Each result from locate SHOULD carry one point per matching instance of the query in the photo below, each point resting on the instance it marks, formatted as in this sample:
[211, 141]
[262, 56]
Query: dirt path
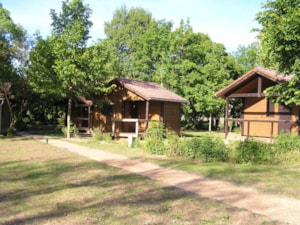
[283, 209]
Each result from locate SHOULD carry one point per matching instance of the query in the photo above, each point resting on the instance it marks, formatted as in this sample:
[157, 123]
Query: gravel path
[275, 207]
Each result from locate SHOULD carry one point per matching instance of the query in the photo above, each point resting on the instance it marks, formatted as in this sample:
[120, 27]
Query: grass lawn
[41, 184]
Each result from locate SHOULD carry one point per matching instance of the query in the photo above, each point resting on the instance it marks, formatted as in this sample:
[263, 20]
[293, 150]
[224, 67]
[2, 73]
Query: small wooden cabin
[259, 116]
[131, 105]
[4, 110]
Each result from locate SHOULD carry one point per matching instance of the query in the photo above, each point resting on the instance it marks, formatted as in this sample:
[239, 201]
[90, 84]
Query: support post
[226, 117]
[272, 124]
[147, 114]
[137, 128]
[248, 129]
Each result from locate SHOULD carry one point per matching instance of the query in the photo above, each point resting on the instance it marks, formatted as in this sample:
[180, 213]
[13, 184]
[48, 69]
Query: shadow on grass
[35, 180]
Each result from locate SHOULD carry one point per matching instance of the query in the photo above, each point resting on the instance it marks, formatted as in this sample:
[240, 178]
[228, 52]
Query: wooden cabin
[128, 109]
[259, 116]
[4, 110]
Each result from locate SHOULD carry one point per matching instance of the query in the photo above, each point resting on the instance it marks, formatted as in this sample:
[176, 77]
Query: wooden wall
[256, 109]
[168, 112]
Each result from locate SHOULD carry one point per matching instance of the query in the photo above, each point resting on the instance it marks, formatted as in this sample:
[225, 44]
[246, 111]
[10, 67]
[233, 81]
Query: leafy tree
[247, 57]
[14, 46]
[62, 65]
[280, 38]
[125, 37]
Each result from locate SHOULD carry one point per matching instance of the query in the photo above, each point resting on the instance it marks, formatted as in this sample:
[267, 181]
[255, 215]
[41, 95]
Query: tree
[125, 33]
[247, 57]
[280, 38]
[62, 64]
[13, 56]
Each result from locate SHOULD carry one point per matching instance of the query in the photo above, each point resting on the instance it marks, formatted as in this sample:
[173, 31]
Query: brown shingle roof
[267, 73]
[149, 91]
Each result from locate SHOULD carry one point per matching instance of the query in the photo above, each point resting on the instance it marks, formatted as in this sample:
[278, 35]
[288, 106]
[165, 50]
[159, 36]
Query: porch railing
[248, 122]
[120, 133]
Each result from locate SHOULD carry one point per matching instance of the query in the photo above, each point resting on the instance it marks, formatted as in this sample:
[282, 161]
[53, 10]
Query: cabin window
[270, 108]
[82, 111]
[106, 109]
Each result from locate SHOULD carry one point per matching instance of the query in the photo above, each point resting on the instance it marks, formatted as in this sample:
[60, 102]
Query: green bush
[173, 145]
[73, 129]
[253, 151]
[98, 135]
[286, 149]
[213, 149]
[189, 148]
[207, 148]
[154, 138]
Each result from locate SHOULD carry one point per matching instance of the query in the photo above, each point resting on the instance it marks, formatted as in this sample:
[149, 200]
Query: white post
[137, 128]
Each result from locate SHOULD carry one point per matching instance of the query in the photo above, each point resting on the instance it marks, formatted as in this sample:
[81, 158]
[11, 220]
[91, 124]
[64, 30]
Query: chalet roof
[267, 73]
[149, 91]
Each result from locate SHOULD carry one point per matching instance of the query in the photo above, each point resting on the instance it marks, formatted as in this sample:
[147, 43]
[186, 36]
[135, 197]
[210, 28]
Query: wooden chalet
[131, 105]
[4, 110]
[259, 116]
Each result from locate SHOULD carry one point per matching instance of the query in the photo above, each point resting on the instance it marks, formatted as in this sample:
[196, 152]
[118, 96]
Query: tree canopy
[62, 64]
[280, 38]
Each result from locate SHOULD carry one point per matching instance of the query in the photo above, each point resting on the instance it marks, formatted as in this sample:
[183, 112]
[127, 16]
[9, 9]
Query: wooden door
[284, 114]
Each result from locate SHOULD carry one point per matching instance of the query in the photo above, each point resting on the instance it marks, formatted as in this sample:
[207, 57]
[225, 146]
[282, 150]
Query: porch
[128, 127]
[247, 124]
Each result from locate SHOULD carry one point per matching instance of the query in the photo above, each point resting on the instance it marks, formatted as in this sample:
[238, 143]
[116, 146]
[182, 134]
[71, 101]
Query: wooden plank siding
[172, 121]
[255, 109]
[167, 112]
[259, 116]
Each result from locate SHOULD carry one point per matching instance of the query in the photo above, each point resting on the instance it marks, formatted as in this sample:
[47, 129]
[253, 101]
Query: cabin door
[284, 114]
[133, 109]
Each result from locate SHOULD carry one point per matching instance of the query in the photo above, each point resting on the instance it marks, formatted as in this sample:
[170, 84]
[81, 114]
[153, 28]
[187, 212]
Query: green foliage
[280, 38]
[189, 148]
[73, 129]
[98, 135]
[253, 151]
[173, 145]
[247, 57]
[14, 47]
[286, 149]
[206, 148]
[11, 132]
[154, 138]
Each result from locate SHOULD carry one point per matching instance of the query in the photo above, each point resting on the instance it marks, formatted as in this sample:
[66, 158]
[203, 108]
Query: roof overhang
[257, 71]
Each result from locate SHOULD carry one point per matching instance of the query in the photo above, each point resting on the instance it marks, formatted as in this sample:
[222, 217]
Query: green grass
[41, 184]
[282, 180]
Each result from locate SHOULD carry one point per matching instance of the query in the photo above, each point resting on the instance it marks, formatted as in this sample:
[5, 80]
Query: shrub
[154, 138]
[173, 145]
[189, 148]
[98, 135]
[252, 151]
[213, 149]
[207, 148]
[286, 149]
[73, 129]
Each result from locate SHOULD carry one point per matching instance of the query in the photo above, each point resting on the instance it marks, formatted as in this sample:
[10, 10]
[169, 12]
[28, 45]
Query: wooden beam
[245, 95]
[147, 114]
[259, 87]
[226, 117]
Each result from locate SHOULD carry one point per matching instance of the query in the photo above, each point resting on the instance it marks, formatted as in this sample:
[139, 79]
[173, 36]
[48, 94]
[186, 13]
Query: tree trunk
[210, 122]
[69, 118]
[11, 123]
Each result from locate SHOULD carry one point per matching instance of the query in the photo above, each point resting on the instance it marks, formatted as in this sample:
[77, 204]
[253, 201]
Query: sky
[225, 21]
